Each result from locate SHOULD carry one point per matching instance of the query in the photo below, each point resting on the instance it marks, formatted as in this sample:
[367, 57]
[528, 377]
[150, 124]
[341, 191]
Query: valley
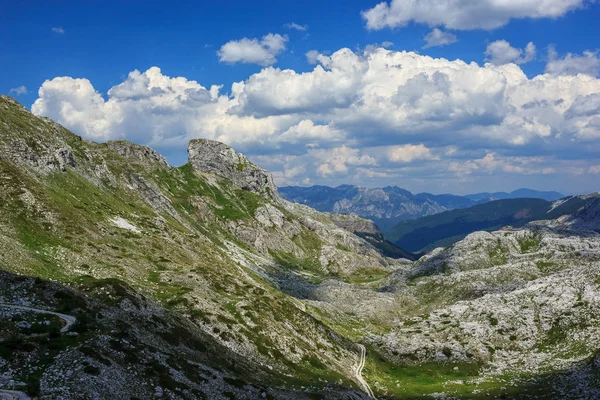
[124, 277]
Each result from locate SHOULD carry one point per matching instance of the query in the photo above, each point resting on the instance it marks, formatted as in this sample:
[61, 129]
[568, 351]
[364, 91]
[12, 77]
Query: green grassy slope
[58, 224]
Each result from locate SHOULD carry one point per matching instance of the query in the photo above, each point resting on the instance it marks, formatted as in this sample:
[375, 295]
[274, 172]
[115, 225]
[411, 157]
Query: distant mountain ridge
[390, 205]
[444, 229]
[517, 194]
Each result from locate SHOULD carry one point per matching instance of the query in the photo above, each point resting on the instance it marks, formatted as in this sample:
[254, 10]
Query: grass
[529, 244]
[288, 260]
[498, 254]
[456, 380]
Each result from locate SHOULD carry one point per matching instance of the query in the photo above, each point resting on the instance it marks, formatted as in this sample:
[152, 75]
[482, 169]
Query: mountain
[390, 205]
[521, 299]
[444, 229]
[517, 194]
[185, 282]
[124, 277]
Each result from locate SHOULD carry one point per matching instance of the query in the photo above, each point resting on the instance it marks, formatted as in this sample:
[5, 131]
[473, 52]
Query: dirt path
[359, 369]
[69, 320]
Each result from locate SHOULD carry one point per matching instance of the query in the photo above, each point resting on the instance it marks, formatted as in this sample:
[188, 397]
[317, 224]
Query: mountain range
[444, 229]
[123, 277]
[389, 205]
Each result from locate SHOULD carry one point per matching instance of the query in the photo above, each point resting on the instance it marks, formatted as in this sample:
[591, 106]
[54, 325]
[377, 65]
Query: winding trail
[69, 319]
[13, 395]
[359, 369]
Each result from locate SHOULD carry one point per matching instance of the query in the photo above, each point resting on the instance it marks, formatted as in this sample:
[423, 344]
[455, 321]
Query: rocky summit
[123, 277]
[212, 157]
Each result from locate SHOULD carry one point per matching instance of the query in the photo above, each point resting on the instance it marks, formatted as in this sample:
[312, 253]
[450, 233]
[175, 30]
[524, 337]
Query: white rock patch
[124, 224]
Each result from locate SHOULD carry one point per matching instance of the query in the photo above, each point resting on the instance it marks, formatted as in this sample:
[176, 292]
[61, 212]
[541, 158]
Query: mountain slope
[521, 302]
[210, 245]
[444, 229]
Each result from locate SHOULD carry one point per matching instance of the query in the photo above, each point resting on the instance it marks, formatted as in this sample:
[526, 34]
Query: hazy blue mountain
[391, 205]
[517, 194]
[447, 228]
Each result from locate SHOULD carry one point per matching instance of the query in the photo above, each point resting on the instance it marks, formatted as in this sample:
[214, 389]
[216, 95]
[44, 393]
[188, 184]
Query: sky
[442, 96]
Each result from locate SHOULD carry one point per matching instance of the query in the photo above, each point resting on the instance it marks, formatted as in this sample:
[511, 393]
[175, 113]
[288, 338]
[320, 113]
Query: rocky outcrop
[210, 156]
[354, 224]
[135, 152]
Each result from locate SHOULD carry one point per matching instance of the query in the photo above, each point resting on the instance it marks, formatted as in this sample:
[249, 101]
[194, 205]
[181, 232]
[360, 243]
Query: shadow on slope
[125, 346]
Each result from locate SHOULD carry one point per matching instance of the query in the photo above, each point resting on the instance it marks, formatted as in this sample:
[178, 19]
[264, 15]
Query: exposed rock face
[379, 204]
[355, 224]
[214, 157]
[135, 152]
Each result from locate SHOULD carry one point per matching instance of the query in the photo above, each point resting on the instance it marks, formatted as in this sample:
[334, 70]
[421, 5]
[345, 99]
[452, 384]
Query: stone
[212, 157]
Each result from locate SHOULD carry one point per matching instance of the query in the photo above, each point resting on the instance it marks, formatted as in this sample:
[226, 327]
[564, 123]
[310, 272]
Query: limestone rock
[135, 152]
[210, 156]
[354, 223]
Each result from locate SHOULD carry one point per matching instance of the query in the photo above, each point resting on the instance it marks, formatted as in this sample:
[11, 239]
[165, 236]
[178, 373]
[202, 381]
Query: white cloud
[349, 111]
[409, 153]
[464, 14]
[337, 160]
[492, 163]
[438, 37]
[314, 57]
[307, 132]
[59, 30]
[19, 90]
[253, 51]
[501, 52]
[372, 47]
[594, 169]
[298, 27]
[572, 64]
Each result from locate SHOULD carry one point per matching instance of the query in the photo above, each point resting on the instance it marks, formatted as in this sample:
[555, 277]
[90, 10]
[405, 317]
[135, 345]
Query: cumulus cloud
[594, 169]
[19, 90]
[253, 51]
[337, 160]
[409, 153]
[491, 162]
[437, 37]
[295, 26]
[464, 14]
[59, 30]
[572, 64]
[373, 113]
[501, 52]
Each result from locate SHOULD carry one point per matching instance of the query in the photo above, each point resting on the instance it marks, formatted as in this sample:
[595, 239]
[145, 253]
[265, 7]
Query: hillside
[124, 277]
[206, 250]
[442, 230]
[390, 205]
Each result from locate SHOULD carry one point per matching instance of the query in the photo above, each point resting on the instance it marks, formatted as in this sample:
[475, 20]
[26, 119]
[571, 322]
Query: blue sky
[389, 110]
